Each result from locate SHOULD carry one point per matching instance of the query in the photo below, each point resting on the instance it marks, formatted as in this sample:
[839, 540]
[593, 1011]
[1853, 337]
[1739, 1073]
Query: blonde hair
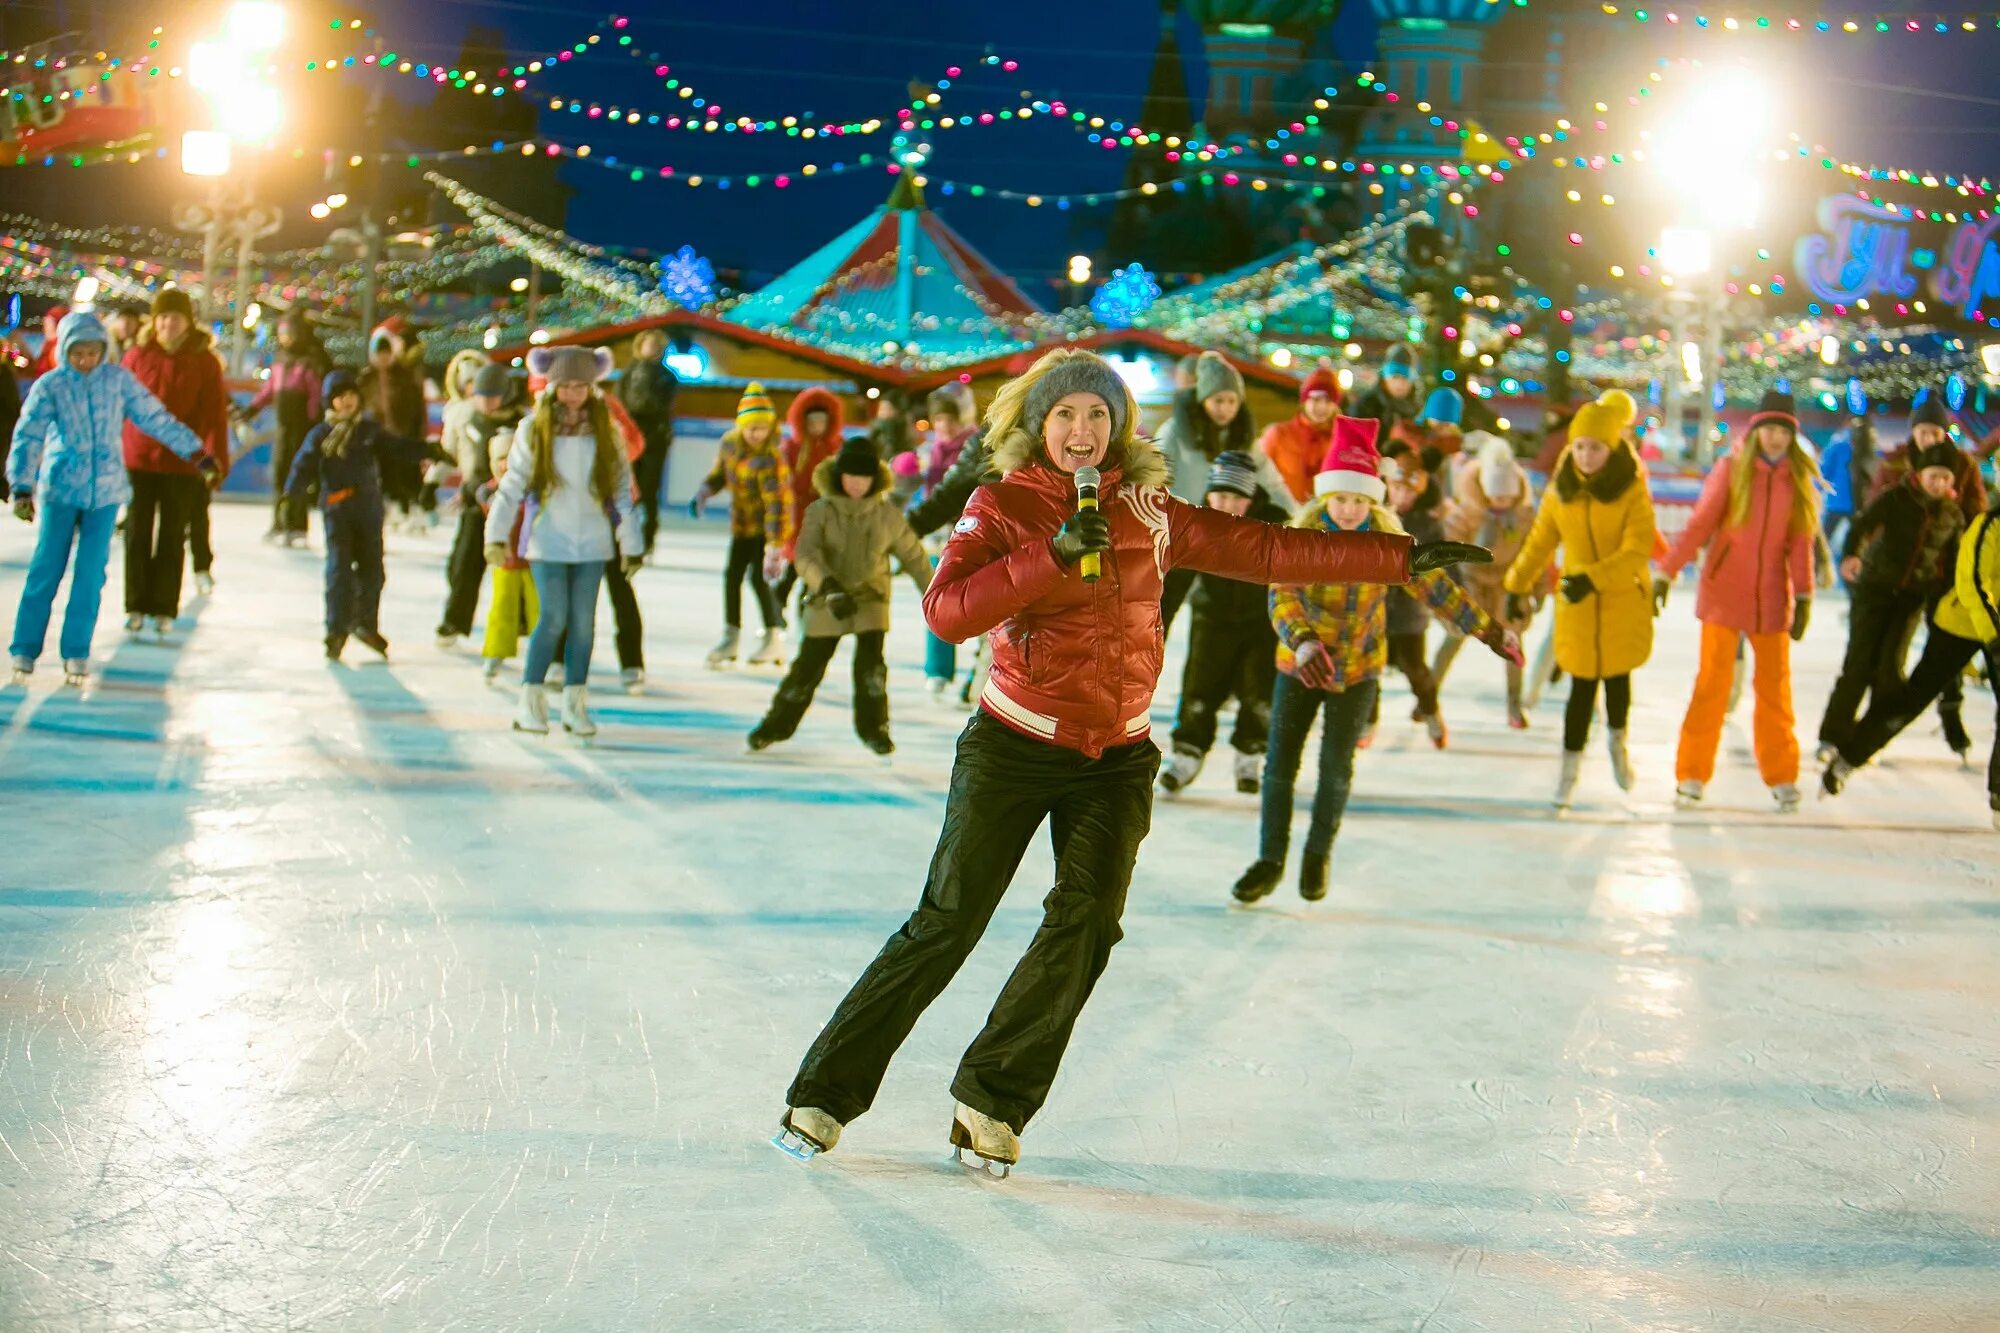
[1806, 484]
[604, 466]
[1007, 413]
[1380, 518]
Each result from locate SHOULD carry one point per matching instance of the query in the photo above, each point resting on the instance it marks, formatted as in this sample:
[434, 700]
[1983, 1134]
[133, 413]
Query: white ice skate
[1249, 773]
[533, 714]
[24, 667]
[991, 1141]
[1786, 794]
[1178, 770]
[1572, 767]
[204, 583]
[1688, 795]
[724, 653]
[1621, 760]
[490, 669]
[770, 649]
[634, 679]
[447, 639]
[76, 670]
[805, 1132]
[161, 624]
[135, 624]
[576, 718]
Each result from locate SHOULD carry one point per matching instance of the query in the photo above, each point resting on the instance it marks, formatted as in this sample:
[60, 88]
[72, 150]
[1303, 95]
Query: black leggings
[1583, 707]
[746, 556]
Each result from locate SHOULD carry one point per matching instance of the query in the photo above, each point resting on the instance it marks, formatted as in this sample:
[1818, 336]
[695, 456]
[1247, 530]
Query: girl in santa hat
[1333, 644]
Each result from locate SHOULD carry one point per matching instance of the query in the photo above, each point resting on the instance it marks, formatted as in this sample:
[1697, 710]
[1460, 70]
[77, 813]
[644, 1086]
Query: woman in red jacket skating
[1061, 736]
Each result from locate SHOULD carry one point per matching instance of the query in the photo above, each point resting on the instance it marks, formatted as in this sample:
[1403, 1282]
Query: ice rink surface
[328, 1002]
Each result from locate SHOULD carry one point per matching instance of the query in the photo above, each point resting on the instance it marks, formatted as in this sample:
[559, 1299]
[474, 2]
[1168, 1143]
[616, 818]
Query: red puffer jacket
[188, 382]
[1076, 663]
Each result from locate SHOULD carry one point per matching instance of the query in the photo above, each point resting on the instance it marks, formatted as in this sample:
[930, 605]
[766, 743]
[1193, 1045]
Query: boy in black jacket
[1897, 557]
[1232, 650]
[344, 454]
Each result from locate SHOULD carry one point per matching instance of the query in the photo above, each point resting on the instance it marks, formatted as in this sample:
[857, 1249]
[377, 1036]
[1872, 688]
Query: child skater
[1232, 649]
[1965, 621]
[1896, 560]
[569, 468]
[845, 542]
[1758, 516]
[1493, 506]
[750, 467]
[1332, 647]
[342, 458]
[1416, 499]
[514, 608]
[68, 459]
[1599, 512]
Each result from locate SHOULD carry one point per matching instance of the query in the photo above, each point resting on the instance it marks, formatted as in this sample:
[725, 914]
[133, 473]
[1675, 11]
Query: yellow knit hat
[755, 407]
[1607, 419]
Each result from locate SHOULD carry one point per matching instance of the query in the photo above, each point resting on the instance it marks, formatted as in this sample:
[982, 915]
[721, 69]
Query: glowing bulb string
[1877, 24]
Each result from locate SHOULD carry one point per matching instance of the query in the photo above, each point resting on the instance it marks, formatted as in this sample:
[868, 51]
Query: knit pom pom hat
[1444, 406]
[1605, 420]
[1322, 380]
[571, 365]
[1353, 464]
[755, 408]
[1500, 474]
[1234, 472]
[1213, 375]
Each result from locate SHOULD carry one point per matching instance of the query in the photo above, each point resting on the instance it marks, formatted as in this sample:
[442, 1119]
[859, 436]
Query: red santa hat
[1353, 464]
[1322, 380]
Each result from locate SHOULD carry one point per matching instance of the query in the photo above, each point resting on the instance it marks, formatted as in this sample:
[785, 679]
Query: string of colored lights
[1876, 24]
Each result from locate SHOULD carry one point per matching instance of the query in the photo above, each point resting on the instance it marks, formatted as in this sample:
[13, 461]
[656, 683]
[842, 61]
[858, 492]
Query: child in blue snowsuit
[342, 455]
[68, 461]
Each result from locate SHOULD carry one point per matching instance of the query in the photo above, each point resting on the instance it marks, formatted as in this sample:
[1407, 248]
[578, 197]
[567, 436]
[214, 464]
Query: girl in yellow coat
[1598, 511]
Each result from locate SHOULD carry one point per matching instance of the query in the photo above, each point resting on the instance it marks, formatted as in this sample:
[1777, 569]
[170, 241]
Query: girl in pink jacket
[1759, 517]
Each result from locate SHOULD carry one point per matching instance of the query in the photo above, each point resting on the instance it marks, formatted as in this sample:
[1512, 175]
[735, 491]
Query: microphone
[1092, 565]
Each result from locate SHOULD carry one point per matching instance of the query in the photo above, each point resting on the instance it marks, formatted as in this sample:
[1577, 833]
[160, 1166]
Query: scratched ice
[327, 1002]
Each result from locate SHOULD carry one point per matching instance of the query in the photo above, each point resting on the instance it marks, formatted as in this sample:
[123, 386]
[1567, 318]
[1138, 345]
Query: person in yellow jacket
[1966, 621]
[1599, 512]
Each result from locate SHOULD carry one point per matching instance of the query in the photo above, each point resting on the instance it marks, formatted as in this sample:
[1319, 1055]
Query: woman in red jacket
[1061, 736]
[176, 362]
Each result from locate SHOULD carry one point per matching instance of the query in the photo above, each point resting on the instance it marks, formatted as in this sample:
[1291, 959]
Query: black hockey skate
[1258, 881]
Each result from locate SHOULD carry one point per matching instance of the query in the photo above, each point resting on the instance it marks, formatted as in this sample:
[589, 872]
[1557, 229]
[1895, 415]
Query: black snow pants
[795, 694]
[353, 565]
[1004, 786]
[1943, 664]
[464, 572]
[1879, 621]
[156, 526]
[1227, 659]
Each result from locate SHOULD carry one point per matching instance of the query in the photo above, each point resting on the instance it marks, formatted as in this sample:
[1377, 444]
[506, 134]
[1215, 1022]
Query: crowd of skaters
[558, 483]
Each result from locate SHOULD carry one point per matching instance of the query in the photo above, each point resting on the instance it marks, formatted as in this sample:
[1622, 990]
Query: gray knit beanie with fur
[1213, 375]
[1082, 373]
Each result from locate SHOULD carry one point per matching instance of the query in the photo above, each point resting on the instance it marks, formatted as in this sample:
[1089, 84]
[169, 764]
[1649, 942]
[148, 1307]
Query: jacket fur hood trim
[816, 399]
[1140, 462]
[827, 482]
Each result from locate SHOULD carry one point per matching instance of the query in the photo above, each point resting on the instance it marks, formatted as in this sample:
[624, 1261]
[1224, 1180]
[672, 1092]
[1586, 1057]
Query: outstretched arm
[1253, 551]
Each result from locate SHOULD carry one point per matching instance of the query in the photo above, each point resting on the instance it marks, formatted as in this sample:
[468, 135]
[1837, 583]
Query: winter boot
[760, 739]
[879, 742]
[1834, 780]
[724, 652]
[1688, 794]
[1434, 724]
[1179, 769]
[1786, 794]
[770, 650]
[76, 670]
[1249, 773]
[372, 639]
[1257, 881]
[1621, 760]
[334, 644]
[805, 1132]
[533, 714]
[634, 679]
[1312, 877]
[1572, 766]
[992, 1141]
[1955, 735]
[576, 718]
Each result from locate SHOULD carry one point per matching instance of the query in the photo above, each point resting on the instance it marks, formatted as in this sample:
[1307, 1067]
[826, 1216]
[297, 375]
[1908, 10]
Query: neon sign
[1864, 250]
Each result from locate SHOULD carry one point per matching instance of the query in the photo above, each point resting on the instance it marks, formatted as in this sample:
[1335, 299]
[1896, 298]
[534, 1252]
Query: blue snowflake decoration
[1954, 392]
[1127, 294]
[687, 278]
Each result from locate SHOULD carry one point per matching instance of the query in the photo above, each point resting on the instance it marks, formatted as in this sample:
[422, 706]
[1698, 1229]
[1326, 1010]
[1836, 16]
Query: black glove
[1087, 530]
[1801, 615]
[1517, 609]
[1661, 586]
[1576, 587]
[1427, 556]
[838, 600]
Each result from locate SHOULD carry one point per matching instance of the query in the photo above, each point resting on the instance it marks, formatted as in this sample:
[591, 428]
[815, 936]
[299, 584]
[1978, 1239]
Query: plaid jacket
[1352, 620]
[759, 485]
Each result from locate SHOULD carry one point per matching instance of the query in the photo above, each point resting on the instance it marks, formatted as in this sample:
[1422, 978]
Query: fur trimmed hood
[827, 483]
[1140, 463]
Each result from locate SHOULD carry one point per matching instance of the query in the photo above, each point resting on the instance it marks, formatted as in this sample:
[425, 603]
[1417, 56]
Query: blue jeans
[1293, 707]
[60, 525]
[569, 606]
